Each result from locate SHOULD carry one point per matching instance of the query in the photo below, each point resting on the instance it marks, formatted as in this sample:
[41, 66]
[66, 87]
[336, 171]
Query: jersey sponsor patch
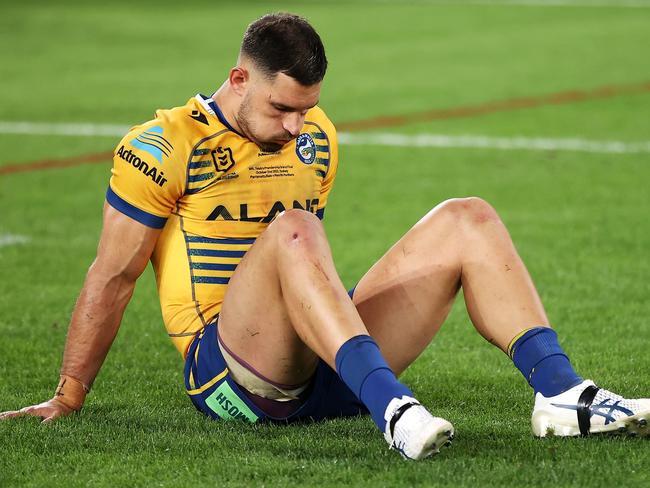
[244, 214]
[153, 142]
[227, 405]
[145, 168]
[305, 148]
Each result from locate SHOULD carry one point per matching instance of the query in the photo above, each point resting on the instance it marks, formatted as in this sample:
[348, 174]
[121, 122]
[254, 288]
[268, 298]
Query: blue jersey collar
[215, 110]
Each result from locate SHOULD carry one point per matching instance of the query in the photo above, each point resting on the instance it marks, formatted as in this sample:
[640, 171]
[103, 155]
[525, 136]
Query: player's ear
[238, 79]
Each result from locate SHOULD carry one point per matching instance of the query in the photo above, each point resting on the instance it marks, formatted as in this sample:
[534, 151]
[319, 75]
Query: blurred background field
[579, 218]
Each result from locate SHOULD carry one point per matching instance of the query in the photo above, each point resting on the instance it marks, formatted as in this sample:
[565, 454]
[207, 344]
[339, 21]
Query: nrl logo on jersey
[222, 159]
[305, 148]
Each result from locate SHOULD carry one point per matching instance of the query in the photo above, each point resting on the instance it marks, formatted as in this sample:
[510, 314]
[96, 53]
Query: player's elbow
[106, 288]
[106, 274]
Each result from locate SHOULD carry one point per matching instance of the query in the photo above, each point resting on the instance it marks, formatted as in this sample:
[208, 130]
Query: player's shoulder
[191, 120]
[172, 132]
[317, 118]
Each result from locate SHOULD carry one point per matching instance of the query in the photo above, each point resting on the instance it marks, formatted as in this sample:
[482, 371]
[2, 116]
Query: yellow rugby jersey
[213, 192]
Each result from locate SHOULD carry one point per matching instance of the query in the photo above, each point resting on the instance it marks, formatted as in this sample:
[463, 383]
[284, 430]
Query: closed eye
[286, 109]
[283, 108]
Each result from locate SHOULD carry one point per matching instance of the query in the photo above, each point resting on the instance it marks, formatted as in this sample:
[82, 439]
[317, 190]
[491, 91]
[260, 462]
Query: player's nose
[293, 123]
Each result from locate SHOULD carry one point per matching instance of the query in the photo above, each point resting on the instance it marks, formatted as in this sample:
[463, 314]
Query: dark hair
[286, 43]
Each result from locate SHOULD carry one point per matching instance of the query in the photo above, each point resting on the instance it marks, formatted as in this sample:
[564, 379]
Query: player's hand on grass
[47, 411]
[69, 397]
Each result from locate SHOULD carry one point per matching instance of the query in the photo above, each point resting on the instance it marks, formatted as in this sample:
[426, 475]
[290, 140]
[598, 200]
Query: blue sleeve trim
[351, 291]
[320, 213]
[135, 213]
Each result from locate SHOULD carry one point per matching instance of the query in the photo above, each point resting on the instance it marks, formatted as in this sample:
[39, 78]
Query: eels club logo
[305, 148]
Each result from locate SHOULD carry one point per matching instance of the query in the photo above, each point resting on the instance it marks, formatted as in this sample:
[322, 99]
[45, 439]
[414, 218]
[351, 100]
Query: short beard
[243, 117]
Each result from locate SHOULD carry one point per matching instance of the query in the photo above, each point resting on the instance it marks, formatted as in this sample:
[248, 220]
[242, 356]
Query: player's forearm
[95, 322]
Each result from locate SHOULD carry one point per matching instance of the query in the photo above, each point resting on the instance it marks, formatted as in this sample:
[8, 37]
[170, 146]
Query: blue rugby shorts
[214, 393]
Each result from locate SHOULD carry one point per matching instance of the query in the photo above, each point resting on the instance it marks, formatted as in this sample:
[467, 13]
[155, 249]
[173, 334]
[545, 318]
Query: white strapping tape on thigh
[256, 385]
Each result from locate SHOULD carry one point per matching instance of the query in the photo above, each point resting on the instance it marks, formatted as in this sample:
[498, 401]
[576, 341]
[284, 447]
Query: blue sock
[363, 369]
[539, 357]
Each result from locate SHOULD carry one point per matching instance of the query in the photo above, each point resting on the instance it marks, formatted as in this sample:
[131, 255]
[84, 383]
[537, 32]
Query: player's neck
[228, 103]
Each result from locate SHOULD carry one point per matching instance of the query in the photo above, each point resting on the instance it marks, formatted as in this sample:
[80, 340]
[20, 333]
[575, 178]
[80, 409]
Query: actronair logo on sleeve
[156, 176]
[153, 142]
[227, 405]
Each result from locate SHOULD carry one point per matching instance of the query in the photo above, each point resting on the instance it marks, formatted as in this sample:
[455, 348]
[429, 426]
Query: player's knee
[297, 228]
[470, 210]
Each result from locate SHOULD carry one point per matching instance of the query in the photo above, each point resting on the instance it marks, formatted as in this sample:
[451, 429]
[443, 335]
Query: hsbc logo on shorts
[232, 410]
[227, 405]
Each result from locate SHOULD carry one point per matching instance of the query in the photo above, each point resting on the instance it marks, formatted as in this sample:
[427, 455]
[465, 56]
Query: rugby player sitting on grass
[225, 196]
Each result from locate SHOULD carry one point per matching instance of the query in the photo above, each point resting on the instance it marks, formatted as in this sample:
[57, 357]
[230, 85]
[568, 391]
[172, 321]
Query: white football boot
[413, 431]
[586, 409]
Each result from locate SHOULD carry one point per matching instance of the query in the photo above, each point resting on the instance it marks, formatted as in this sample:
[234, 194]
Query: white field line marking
[531, 3]
[489, 142]
[12, 239]
[62, 129]
[369, 139]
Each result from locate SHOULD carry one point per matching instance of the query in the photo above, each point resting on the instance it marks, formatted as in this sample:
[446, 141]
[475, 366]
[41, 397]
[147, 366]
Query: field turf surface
[579, 220]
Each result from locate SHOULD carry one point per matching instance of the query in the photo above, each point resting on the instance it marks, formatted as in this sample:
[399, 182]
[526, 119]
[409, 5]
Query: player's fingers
[49, 419]
[29, 410]
[11, 414]
[33, 411]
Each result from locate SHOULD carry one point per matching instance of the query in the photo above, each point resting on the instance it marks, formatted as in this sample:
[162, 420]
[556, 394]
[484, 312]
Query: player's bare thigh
[254, 321]
[405, 297]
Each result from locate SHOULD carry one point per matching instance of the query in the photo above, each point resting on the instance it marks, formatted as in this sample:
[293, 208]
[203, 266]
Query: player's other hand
[47, 411]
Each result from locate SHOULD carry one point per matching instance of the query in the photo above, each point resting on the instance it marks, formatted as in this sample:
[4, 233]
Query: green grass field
[579, 219]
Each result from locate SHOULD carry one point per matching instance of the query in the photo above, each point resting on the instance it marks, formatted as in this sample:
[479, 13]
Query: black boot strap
[397, 415]
[584, 408]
